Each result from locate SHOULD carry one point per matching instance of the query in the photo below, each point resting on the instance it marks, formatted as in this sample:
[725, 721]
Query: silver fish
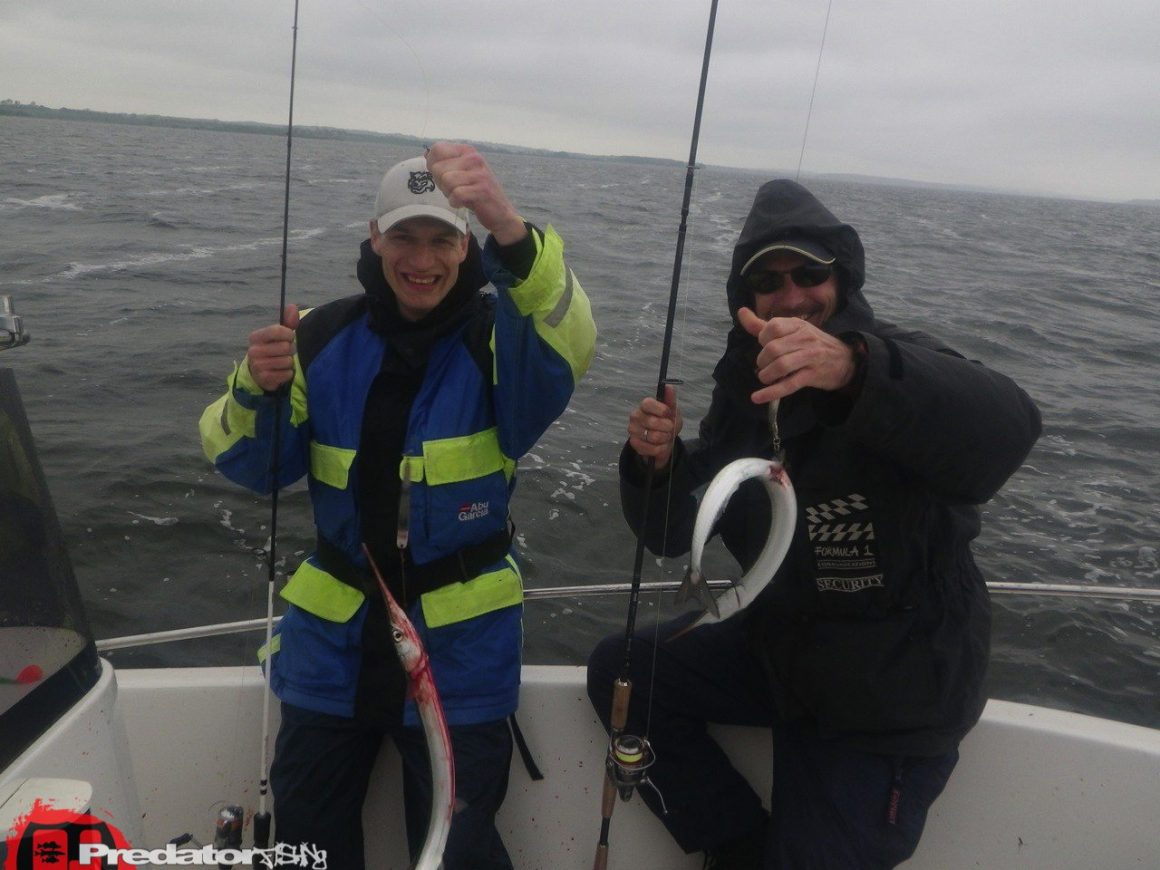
[421, 687]
[783, 505]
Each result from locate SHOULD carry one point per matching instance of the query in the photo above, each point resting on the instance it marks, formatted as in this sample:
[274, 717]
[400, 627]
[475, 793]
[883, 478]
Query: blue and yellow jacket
[468, 426]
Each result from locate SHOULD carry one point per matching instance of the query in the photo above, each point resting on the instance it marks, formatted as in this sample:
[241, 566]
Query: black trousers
[321, 771]
[832, 807]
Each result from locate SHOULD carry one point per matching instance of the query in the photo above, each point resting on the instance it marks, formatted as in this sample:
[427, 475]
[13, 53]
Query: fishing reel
[627, 764]
[227, 833]
[12, 332]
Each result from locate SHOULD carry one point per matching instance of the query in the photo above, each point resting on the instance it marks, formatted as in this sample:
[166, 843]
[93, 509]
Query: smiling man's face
[421, 258]
[814, 303]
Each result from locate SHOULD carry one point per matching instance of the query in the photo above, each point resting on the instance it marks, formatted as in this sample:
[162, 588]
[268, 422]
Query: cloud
[1025, 96]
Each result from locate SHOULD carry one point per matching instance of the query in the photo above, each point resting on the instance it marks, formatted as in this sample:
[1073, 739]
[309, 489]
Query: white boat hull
[166, 749]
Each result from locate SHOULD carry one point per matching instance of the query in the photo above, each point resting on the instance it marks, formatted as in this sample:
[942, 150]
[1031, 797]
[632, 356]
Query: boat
[163, 755]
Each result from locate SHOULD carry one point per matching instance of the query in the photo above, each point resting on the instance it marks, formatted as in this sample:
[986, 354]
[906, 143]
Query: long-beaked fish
[421, 688]
[783, 507]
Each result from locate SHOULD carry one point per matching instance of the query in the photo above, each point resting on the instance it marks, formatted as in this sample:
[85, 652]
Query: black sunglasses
[770, 281]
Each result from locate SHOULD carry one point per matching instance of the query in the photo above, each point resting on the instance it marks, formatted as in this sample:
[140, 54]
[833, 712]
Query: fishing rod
[629, 757]
[262, 818]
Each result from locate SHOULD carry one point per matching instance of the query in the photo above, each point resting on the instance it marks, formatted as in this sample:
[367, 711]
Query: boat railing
[548, 593]
[13, 334]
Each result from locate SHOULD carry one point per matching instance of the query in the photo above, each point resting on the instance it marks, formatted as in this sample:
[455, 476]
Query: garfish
[421, 688]
[783, 505]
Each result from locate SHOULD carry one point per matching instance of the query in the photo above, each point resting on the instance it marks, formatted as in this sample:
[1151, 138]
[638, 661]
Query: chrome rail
[1051, 590]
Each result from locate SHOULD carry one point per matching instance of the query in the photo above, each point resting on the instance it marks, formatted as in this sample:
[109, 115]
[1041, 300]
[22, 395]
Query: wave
[50, 201]
[82, 270]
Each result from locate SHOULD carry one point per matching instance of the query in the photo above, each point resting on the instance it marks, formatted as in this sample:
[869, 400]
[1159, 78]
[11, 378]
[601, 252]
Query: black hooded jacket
[876, 628]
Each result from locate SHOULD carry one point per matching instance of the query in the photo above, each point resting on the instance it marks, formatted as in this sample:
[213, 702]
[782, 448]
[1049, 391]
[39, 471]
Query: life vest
[468, 424]
[459, 479]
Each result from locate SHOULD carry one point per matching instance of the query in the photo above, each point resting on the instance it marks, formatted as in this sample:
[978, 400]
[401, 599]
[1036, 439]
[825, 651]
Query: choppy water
[141, 258]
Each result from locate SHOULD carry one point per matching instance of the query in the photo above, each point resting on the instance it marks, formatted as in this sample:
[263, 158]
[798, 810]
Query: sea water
[141, 257]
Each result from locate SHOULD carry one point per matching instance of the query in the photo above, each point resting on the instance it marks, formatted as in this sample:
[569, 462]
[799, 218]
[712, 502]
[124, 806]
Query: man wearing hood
[407, 407]
[866, 652]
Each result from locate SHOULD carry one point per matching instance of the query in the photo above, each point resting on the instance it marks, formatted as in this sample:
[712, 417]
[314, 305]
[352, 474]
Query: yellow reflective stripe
[331, 465]
[264, 651]
[573, 334]
[539, 290]
[458, 602]
[298, 413]
[322, 594]
[226, 422]
[561, 309]
[243, 379]
[452, 460]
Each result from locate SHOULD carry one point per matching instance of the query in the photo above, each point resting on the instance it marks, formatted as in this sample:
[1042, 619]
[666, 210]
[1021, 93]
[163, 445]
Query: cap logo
[421, 182]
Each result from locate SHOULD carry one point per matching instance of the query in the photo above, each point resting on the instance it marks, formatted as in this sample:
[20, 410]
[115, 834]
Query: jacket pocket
[317, 663]
[318, 592]
[487, 593]
[331, 465]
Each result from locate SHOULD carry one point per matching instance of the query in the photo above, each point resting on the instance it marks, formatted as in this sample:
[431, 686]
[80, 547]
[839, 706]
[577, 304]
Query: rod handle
[621, 692]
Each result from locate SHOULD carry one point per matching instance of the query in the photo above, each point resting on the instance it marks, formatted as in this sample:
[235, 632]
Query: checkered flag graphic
[842, 532]
[839, 507]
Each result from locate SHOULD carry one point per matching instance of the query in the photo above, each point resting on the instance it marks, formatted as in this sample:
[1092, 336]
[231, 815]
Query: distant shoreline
[34, 110]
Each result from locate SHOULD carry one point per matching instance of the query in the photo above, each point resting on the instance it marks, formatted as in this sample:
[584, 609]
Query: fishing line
[814, 90]
[390, 25]
[262, 818]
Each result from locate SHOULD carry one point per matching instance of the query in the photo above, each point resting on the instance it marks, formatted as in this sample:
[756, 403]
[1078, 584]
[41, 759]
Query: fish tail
[694, 587]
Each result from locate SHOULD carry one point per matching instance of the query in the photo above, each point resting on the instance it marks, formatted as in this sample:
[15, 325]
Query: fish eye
[396, 635]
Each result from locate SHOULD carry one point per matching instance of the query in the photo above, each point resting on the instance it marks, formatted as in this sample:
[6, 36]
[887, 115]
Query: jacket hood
[784, 210]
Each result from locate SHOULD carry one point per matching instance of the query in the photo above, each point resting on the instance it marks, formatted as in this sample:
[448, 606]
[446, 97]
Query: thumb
[290, 317]
[670, 399]
[749, 321]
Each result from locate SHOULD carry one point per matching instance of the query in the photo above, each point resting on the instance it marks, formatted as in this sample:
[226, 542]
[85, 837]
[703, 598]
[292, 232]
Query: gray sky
[1050, 96]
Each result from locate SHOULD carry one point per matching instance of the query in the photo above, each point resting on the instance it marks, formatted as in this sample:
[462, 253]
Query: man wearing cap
[406, 408]
[867, 650]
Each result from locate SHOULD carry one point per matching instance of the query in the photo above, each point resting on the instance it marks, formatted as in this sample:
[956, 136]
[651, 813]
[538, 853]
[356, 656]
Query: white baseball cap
[408, 190]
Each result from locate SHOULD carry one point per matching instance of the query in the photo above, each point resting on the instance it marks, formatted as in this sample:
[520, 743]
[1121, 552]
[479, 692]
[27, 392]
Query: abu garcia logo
[473, 510]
